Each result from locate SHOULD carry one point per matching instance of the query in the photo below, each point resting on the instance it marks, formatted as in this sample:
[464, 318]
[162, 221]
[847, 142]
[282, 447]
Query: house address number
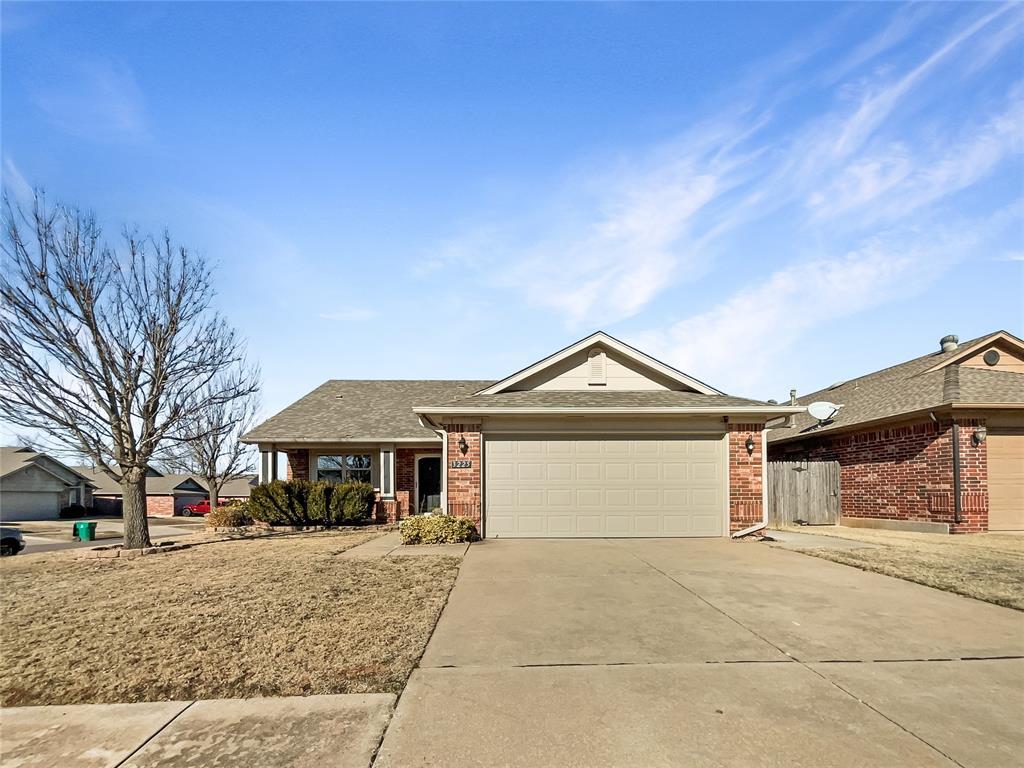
[462, 463]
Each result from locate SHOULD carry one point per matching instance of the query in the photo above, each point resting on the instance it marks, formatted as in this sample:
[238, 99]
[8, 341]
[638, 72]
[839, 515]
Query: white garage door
[29, 505]
[604, 486]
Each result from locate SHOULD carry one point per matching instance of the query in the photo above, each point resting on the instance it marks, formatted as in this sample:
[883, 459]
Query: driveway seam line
[152, 736]
[805, 665]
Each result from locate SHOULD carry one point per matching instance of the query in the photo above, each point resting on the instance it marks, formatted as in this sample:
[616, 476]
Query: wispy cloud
[98, 100]
[15, 184]
[843, 178]
[771, 314]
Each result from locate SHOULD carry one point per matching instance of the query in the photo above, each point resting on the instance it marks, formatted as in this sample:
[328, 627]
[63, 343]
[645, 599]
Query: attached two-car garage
[605, 486]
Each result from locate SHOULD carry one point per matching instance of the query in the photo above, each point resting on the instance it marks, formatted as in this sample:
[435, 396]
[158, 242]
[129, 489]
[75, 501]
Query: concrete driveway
[706, 652]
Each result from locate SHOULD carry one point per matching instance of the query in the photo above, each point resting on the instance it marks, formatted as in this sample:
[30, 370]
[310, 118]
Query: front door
[428, 483]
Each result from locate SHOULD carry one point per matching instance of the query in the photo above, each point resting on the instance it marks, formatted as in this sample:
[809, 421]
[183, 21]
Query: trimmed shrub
[437, 529]
[72, 511]
[300, 502]
[230, 514]
[356, 504]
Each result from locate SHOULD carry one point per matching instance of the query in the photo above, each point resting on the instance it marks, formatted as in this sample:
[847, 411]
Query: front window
[340, 469]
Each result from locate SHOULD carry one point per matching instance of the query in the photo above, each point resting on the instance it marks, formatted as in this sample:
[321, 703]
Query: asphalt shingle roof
[906, 388]
[353, 409]
[549, 398]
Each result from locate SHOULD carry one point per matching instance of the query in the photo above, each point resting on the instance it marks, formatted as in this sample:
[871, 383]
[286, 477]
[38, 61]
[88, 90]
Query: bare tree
[213, 451]
[108, 353]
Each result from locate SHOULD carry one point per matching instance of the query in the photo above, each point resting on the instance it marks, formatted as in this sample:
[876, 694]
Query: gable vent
[598, 368]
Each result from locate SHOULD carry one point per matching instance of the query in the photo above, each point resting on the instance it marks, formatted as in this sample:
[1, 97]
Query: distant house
[167, 494]
[34, 486]
[935, 443]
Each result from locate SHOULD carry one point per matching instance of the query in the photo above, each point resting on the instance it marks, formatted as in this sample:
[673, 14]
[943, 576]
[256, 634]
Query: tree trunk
[214, 488]
[133, 495]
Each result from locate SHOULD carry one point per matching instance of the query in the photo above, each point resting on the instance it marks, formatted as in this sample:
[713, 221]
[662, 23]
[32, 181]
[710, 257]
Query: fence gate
[803, 490]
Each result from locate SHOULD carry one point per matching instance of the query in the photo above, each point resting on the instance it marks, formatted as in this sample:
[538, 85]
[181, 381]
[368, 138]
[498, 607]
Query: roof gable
[1010, 355]
[623, 368]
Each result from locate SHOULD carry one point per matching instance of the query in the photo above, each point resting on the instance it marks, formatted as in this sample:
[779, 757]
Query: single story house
[34, 486]
[167, 494]
[935, 443]
[597, 439]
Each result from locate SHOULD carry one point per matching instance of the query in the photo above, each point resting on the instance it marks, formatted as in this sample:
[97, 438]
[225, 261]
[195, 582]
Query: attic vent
[598, 368]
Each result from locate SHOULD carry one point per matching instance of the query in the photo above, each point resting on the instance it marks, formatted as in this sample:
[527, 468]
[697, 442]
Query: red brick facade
[160, 506]
[905, 472]
[464, 483]
[298, 465]
[746, 478]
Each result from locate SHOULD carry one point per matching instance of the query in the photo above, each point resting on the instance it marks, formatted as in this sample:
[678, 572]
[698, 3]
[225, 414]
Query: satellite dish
[823, 411]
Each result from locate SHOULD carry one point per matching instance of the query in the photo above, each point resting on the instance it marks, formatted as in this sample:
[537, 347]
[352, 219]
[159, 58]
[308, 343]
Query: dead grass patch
[266, 617]
[985, 566]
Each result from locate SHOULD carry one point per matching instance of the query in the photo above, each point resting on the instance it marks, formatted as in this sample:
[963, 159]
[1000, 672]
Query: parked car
[11, 541]
[199, 508]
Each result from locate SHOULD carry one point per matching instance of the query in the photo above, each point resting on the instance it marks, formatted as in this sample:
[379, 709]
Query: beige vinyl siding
[1010, 359]
[575, 372]
[1005, 480]
[604, 486]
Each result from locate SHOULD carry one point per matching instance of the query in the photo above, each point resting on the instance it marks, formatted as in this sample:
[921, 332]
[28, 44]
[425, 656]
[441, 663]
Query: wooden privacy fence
[807, 491]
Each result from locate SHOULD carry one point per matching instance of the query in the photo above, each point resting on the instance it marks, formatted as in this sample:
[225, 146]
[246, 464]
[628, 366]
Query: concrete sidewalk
[390, 545]
[292, 732]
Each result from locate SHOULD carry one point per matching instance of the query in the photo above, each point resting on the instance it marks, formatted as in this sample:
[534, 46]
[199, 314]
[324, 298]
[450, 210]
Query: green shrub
[300, 502]
[230, 514]
[437, 529]
[356, 505]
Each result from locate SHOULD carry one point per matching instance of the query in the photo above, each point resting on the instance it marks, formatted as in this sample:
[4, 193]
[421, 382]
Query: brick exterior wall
[464, 484]
[746, 479]
[160, 506]
[297, 467]
[905, 472]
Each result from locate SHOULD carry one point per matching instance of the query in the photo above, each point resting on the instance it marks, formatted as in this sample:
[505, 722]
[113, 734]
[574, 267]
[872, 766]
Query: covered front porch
[408, 478]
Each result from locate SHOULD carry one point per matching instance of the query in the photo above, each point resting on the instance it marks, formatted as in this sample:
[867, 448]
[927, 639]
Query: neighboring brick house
[167, 494]
[908, 436]
[597, 439]
[34, 486]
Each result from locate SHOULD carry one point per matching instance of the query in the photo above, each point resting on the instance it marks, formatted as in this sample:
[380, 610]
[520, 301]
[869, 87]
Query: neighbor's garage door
[604, 486]
[1005, 480]
[29, 505]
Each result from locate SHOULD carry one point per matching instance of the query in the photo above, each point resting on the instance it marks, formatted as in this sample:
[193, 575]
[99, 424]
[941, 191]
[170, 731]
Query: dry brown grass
[272, 617]
[985, 566]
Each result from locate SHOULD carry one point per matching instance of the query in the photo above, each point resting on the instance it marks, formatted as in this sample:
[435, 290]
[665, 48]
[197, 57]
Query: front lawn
[281, 616]
[986, 566]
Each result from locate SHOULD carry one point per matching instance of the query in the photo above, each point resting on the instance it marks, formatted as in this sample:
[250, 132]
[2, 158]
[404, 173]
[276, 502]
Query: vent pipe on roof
[949, 343]
[792, 397]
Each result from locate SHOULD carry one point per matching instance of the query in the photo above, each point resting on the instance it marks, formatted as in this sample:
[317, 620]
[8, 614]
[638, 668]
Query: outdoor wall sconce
[463, 445]
[979, 435]
[750, 445]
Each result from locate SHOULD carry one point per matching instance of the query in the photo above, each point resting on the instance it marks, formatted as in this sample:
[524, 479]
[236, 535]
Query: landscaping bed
[271, 616]
[985, 566]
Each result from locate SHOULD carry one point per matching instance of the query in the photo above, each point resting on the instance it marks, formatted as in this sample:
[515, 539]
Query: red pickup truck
[199, 508]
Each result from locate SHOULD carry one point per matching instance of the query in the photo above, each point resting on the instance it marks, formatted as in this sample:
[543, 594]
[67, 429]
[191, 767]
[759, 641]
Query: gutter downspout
[957, 500]
[764, 491]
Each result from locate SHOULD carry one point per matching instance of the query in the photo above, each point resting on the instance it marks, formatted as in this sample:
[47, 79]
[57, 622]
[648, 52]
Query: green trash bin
[85, 531]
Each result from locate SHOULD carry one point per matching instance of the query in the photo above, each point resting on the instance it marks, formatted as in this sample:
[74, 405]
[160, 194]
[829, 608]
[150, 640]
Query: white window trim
[389, 449]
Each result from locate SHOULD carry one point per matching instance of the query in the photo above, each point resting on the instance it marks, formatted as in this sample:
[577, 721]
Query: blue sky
[766, 196]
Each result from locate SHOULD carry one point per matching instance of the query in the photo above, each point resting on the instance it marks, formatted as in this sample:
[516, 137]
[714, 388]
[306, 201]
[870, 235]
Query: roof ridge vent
[949, 343]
